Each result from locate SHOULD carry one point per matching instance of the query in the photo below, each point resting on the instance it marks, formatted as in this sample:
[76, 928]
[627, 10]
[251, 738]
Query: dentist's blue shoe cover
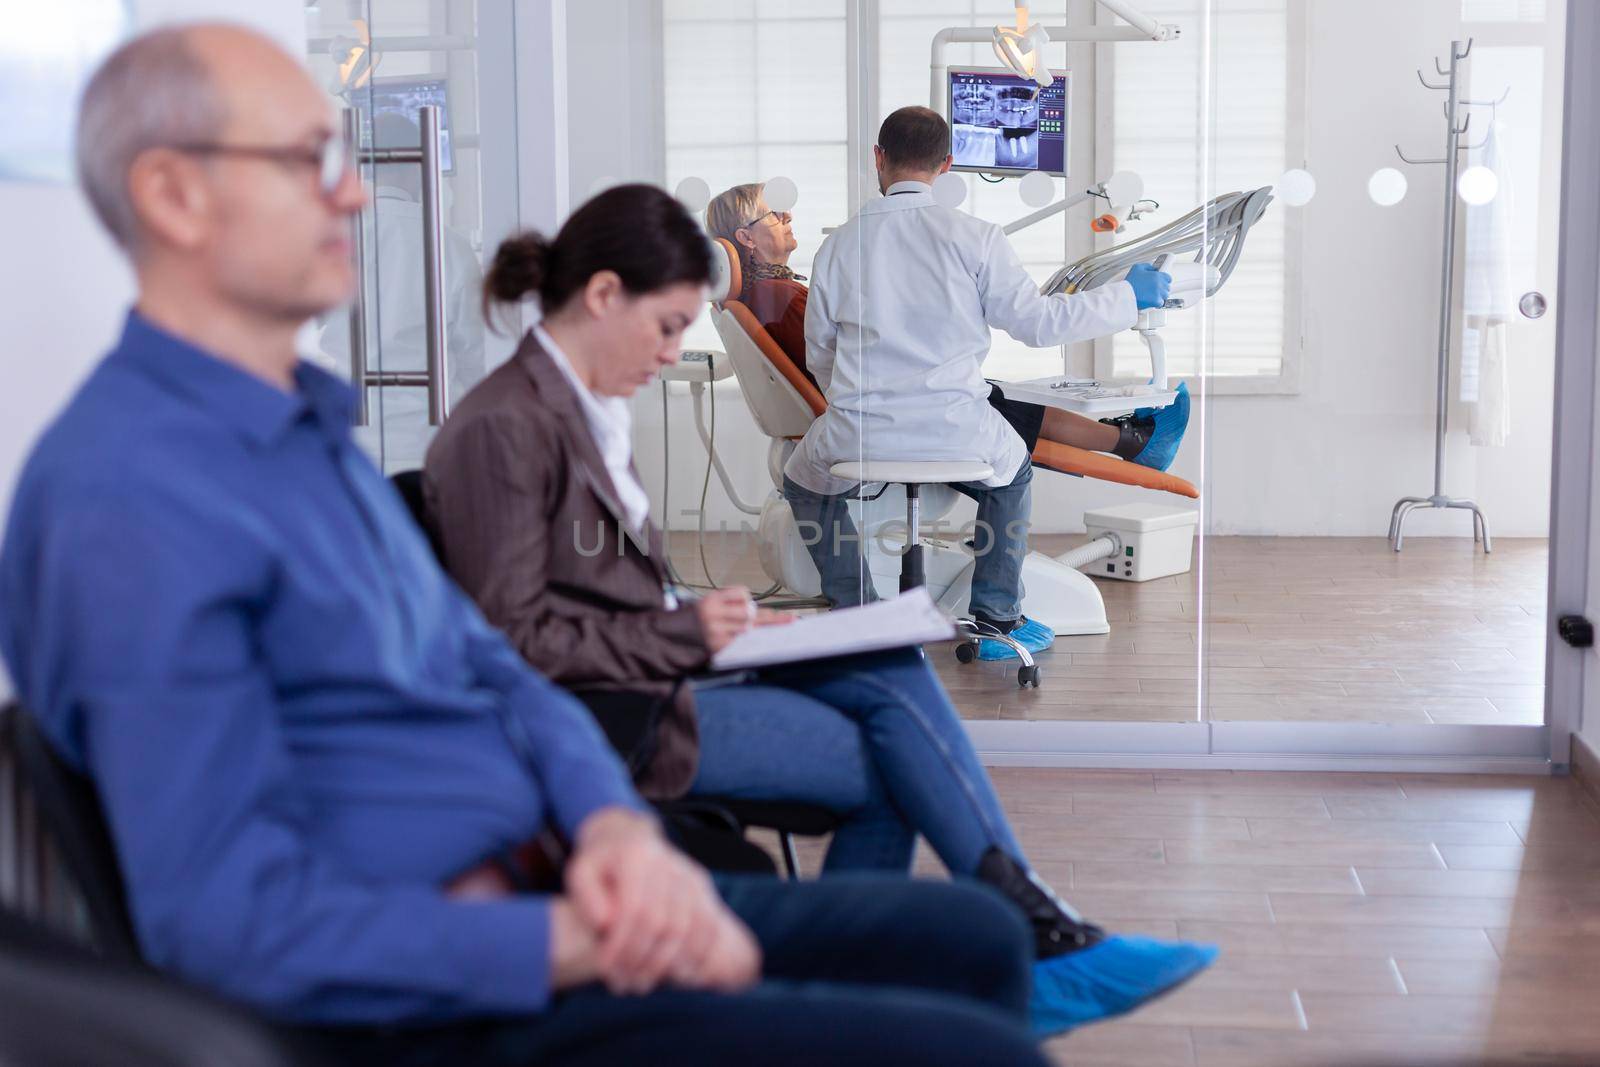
[1109, 979]
[1032, 635]
[1170, 424]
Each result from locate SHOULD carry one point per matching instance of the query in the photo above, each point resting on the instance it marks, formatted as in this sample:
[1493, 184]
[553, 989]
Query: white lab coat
[897, 329]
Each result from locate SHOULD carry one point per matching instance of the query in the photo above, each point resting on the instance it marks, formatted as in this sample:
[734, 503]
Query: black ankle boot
[1133, 434]
[999, 626]
[1057, 929]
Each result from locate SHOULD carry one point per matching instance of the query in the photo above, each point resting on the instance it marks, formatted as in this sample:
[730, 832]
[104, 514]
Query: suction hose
[1098, 549]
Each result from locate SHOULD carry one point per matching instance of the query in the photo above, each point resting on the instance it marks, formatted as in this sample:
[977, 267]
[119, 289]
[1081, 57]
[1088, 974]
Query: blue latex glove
[1150, 286]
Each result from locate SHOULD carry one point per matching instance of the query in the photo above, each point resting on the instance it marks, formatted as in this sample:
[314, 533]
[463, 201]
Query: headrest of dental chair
[727, 278]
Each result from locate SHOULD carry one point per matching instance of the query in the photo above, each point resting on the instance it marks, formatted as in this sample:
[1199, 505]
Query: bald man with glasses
[321, 769]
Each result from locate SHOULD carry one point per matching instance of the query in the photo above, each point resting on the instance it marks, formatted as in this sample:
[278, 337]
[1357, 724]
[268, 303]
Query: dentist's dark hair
[915, 137]
[639, 232]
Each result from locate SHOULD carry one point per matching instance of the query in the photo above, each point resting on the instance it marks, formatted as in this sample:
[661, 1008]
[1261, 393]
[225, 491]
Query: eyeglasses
[781, 216]
[331, 160]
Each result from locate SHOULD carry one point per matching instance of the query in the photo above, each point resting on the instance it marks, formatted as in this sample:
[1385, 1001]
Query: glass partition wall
[1378, 421]
[1122, 674]
[416, 83]
[1302, 575]
[1240, 593]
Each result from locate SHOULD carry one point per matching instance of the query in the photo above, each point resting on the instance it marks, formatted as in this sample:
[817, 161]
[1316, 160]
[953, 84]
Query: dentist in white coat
[897, 328]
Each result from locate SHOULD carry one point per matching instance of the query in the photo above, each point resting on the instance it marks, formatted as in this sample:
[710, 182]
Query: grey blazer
[531, 527]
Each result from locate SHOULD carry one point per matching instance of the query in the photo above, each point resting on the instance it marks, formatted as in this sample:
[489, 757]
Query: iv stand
[1452, 163]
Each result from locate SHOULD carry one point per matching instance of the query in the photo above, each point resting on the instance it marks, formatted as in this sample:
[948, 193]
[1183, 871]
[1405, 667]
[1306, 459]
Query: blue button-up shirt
[300, 729]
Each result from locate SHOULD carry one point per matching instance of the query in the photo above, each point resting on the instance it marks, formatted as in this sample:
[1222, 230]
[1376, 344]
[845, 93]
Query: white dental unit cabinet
[1152, 541]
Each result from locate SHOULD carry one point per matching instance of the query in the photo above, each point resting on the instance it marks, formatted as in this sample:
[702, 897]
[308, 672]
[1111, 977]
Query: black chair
[784, 818]
[84, 995]
[409, 485]
[66, 813]
[65, 1007]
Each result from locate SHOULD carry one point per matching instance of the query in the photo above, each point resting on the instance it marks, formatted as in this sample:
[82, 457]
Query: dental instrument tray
[1085, 396]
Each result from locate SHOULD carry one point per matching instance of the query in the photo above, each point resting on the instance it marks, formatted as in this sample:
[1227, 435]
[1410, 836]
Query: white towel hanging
[1487, 303]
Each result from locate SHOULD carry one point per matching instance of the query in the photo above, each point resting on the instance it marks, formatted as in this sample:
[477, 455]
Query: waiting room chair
[701, 825]
[65, 1007]
[59, 823]
[74, 987]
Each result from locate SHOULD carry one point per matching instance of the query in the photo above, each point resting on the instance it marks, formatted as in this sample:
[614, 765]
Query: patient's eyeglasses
[331, 160]
[781, 216]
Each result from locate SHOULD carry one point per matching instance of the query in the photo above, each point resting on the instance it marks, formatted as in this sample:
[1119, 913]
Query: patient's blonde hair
[731, 211]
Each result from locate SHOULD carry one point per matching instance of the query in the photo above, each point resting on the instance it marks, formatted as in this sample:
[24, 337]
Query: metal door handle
[436, 378]
[358, 306]
[433, 267]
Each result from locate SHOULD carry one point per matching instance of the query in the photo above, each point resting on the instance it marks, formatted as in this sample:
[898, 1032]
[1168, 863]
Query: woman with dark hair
[543, 521]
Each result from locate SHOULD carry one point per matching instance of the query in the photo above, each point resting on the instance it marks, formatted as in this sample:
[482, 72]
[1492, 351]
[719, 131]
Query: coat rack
[1455, 131]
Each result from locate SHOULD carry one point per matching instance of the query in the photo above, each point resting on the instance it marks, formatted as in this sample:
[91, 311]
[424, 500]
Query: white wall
[65, 286]
[65, 290]
[1332, 458]
[614, 130]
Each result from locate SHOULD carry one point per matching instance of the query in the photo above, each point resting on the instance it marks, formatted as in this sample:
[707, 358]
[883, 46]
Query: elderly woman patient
[542, 519]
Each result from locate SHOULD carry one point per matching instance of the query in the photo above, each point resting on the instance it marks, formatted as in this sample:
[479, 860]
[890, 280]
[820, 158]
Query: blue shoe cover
[1032, 635]
[1110, 979]
[1034, 630]
[1171, 422]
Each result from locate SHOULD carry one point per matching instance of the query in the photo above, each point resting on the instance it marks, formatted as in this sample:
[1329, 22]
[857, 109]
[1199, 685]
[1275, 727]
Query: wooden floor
[1364, 919]
[1287, 629]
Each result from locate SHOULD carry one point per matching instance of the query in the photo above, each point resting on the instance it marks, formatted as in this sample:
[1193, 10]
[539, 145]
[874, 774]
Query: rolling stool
[913, 475]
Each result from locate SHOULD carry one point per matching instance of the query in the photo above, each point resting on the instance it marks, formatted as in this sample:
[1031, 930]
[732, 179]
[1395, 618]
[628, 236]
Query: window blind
[1502, 10]
[1158, 123]
[754, 89]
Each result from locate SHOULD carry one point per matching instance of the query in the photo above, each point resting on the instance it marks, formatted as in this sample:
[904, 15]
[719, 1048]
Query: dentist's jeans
[1000, 544]
[872, 737]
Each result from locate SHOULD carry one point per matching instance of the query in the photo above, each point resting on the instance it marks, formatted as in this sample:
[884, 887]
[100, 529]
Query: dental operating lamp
[1020, 48]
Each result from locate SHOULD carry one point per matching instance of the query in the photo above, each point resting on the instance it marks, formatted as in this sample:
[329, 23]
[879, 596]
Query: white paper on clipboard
[909, 619]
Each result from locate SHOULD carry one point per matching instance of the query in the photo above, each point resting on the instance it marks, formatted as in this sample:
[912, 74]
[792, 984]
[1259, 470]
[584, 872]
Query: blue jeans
[871, 737]
[854, 970]
[1000, 544]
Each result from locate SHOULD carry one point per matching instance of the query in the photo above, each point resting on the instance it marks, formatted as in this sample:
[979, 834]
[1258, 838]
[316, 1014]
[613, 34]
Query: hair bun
[520, 266]
[639, 233]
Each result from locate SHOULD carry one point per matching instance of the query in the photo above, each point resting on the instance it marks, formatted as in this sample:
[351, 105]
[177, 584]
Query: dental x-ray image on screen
[1004, 123]
[403, 96]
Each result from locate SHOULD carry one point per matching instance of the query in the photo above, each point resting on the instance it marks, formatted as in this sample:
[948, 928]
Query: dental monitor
[404, 96]
[1001, 123]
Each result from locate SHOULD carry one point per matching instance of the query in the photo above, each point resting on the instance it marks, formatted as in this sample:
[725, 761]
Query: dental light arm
[1136, 26]
[1123, 193]
[1213, 233]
